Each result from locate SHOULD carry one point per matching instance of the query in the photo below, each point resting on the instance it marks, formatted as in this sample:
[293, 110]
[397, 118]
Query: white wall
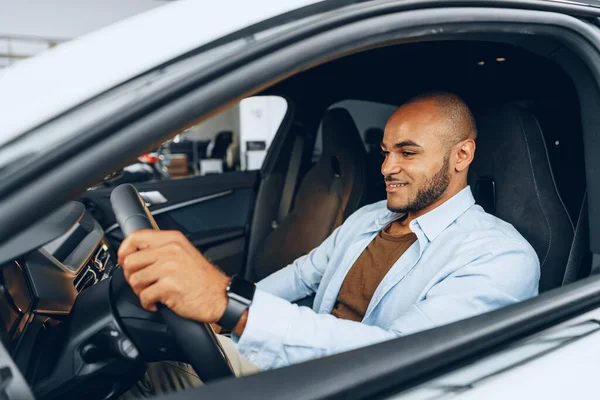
[253, 119]
[228, 120]
[260, 118]
[28, 27]
[65, 19]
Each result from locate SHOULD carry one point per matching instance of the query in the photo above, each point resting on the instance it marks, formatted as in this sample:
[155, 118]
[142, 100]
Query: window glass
[237, 139]
[260, 118]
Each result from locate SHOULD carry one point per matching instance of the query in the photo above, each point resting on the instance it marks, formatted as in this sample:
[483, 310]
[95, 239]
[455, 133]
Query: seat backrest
[222, 140]
[580, 257]
[319, 207]
[511, 178]
[373, 138]
[375, 182]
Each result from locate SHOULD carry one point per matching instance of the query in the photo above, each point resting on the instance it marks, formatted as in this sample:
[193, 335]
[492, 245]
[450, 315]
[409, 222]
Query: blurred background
[28, 27]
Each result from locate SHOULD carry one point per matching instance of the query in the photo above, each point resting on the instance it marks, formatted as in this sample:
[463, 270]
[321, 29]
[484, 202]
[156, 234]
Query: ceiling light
[481, 63]
[500, 59]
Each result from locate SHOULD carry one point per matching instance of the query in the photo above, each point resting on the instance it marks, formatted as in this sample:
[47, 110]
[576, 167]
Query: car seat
[330, 191]
[511, 178]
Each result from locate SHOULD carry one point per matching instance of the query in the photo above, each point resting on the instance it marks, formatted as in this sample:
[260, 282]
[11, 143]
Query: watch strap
[240, 293]
[232, 314]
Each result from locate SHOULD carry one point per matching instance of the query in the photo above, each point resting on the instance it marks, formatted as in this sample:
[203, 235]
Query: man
[425, 257]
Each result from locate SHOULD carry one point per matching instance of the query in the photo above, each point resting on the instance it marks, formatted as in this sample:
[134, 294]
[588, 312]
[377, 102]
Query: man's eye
[407, 153]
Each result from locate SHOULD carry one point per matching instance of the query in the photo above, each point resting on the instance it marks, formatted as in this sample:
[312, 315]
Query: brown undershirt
[367, 272]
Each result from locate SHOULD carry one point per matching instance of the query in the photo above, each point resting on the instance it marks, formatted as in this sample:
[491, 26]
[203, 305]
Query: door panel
[208, 216]
[213, 211]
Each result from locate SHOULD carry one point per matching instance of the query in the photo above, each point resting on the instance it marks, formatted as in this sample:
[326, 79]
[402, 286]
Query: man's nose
[389, 167]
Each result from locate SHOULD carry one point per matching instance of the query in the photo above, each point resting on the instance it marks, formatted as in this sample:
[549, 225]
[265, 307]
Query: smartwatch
[240, 293]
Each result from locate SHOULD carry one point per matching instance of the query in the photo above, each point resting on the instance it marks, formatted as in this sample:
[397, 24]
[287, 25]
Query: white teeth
[398, 184]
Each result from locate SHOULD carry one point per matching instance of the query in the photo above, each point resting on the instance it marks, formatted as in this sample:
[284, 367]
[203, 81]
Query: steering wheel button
[132, 353]
[128, 348]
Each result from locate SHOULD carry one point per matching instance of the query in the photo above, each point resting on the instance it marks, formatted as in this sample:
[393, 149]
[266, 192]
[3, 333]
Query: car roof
[35, 90]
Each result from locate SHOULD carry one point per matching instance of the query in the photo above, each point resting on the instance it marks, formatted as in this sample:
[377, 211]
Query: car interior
[528, 170]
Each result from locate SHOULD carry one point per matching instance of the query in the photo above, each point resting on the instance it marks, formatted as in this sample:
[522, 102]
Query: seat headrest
[374, 136]
[339, 132]
[511, 168]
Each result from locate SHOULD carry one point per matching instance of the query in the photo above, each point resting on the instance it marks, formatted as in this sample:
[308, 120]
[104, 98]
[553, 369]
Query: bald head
[456, 121]
[428, 144]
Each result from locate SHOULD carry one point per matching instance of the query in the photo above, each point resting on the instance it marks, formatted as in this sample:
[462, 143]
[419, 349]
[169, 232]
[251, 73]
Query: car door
[212, 211]
[208, 195]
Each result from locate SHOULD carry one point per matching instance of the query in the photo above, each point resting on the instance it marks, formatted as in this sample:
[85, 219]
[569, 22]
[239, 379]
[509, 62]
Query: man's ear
[465, 151]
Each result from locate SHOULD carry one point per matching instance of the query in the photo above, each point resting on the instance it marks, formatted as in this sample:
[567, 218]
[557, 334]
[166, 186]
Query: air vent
[101, 259]
[85, 280]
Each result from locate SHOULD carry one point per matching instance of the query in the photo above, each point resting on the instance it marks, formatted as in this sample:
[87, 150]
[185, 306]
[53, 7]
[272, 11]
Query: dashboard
[42, 272]
[68, 257]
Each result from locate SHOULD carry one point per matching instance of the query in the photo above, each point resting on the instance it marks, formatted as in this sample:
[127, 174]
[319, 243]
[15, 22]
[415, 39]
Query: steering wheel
[196, 340]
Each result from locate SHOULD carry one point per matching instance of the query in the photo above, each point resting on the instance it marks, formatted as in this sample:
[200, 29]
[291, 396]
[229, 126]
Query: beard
[429, 192]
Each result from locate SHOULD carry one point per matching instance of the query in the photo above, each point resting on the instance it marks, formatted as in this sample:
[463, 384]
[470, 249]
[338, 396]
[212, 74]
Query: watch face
[242, 287]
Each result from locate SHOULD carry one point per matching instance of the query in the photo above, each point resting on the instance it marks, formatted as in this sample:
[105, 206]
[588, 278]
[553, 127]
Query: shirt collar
[437, 220]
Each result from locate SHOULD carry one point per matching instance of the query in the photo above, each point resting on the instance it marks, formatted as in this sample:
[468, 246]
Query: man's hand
[164, 267]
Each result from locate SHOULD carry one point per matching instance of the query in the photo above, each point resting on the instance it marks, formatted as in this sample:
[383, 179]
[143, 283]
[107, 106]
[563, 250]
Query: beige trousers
[171, 376]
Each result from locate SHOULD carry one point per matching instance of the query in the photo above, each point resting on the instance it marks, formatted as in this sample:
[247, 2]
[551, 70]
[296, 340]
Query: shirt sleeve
[279, 333]
[301, 278]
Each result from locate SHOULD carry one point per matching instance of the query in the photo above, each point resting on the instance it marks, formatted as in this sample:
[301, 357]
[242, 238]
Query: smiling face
[426, 156]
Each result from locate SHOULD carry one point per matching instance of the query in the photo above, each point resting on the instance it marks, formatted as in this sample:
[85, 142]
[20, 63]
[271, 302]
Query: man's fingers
[148, 238]
[152, 295]
[129, 246]
[145, 277]
[143, 258]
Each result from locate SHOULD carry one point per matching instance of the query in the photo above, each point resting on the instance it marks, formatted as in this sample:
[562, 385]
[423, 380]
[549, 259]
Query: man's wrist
[223, 301]
[241, 325]
[239, 295]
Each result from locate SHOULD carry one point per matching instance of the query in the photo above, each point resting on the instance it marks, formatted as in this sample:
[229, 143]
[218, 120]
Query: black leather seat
[323, 201]
[221, 141]
[376, 184]
[511, 178]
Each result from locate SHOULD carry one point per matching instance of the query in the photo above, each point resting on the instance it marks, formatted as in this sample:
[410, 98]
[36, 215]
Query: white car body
[37, 90]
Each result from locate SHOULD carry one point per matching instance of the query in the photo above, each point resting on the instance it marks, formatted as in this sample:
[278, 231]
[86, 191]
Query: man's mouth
[391, 186]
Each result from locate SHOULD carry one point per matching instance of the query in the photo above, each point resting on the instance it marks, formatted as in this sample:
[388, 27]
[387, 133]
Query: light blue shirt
[465, 262]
